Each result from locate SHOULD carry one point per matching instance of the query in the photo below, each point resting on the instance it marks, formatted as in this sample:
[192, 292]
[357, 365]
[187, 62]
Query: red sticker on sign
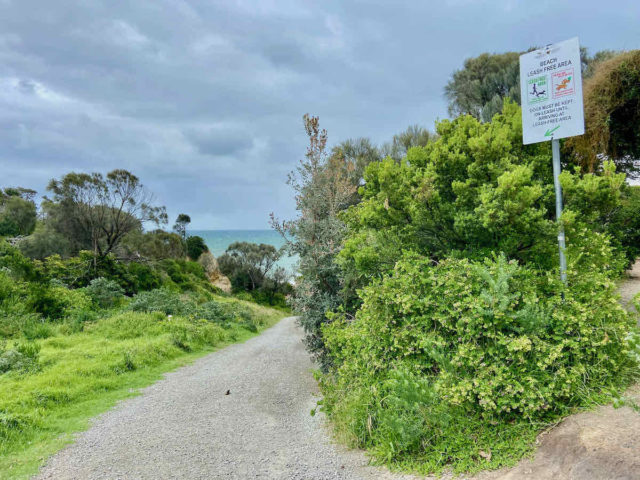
[562, 83]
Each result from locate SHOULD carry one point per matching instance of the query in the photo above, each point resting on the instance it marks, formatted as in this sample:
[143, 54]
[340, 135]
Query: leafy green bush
[22, 358]
[55, 302]
[143, 277]
[105, 293]
[185, 275]
[227, 314]
[77, 321]
[161, 300]
[501, 345]
[17, 214]
[196, 246]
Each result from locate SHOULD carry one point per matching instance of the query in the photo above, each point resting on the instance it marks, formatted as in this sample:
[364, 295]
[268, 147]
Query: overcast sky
[203, 100]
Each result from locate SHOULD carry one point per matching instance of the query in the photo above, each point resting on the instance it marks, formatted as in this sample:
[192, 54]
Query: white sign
[551, 92]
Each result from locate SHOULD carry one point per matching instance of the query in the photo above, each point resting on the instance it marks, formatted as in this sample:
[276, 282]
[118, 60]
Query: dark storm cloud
[203, 99]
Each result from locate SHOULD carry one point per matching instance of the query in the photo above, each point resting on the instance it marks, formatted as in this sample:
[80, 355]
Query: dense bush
[161, 300]
[17, 212]
[254, 274]
[105, 293]
[184, 275]
[451, 341]
[21, 358]
[226, 314]
[612, 116]
[442, 352]
[196, 246]
[154, 245]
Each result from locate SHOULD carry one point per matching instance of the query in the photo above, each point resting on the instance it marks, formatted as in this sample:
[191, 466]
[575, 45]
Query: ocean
[219, 240]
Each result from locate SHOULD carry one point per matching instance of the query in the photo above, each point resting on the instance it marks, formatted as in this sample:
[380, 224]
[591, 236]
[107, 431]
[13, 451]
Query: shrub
[226, 314]
[161, 300]
[196, 246]
[22, 358]
[76, 322]
[17, 214]
[105, 293]
[143, 277]
[500, 345]
[185, 274]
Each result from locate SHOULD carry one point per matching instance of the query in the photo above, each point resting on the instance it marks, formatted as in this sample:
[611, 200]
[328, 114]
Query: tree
[247, 264]
[196, 246]
[180, 226]
[154, 245]
[103, 209]
[17, 212]
[413, 136]
[324, 187]
[481, 86]
[356, 153]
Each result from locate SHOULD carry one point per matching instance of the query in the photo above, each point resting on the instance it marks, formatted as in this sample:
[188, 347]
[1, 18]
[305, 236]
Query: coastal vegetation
[429, 288]
[93, 307]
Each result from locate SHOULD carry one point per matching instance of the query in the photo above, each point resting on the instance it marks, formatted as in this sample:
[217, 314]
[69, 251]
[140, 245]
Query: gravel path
[630, 286]
[185, 426]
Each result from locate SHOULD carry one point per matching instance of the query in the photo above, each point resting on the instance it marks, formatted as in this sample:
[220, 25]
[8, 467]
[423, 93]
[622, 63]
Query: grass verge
[83, 374]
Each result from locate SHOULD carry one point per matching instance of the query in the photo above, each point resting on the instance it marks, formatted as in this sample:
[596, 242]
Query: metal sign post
[551, 91]
[555, 149]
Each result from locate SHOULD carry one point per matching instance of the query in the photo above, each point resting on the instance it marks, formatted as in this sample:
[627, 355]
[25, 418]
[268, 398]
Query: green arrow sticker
[549, 133]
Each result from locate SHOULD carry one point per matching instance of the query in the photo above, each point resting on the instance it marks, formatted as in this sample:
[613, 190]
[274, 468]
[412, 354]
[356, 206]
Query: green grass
[83, 374]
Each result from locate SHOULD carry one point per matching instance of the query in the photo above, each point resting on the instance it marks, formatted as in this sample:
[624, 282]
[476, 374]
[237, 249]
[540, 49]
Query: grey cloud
[203, 100]
[219, 141]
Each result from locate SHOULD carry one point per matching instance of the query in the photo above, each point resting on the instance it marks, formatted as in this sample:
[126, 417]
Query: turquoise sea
[219, 240]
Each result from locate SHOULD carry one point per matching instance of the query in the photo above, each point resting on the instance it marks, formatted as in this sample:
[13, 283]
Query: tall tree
[248, 260]
[481, 86]
[17, 211]
[180, 226]
[104, 209]
[324, 186]
[413, 136]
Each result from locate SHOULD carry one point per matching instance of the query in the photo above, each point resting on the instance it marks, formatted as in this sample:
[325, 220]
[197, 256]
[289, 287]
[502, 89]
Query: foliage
[247, 264]
[486, 81]
[45, 242]
[17, 212]
[356, 154]
[443, 353]
[625, 222]
[612, 116]
[474, 191]
[21, 358]
[184, 275]
[150, 246]
[196, 246]
[480, 87]
[100, 209]
[105, 293]
[180, 227]
[324, 186]
[413, 136]
[161, 300]
[226, 314]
